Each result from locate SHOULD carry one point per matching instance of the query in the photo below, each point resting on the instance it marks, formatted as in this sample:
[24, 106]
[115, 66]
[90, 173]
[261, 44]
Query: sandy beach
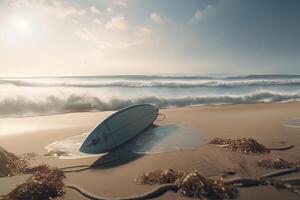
[263, 121]
[82, 81]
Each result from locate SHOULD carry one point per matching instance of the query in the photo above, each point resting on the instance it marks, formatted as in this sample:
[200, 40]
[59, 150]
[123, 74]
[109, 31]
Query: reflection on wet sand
[155, 139]
[293, 122]
[166, 138]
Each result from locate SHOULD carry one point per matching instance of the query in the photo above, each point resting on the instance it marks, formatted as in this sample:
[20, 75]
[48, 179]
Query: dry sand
[263, 121]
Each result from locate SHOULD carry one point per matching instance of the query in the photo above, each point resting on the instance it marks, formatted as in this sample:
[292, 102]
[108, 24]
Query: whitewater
[33, 96]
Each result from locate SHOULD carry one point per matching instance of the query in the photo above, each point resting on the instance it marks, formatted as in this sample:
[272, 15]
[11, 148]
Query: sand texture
[264, 121]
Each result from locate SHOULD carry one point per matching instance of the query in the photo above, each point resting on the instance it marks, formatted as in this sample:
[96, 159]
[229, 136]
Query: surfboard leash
[160, 114]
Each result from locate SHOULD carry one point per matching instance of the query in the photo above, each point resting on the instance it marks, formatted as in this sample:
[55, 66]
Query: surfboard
[119, 128]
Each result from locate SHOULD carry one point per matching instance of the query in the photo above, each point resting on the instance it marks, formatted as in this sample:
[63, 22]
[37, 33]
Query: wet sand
[264, 121]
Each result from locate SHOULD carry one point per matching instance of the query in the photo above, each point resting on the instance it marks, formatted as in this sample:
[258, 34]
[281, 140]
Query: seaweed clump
[46, 183]
[278, 163]
[11, 164]
[29, 156]
[196, 186]
[191, 184]
[243, 145]
[159, 177]
[221, 141]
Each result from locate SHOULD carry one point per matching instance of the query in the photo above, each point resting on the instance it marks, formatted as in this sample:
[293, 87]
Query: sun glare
[21, 25]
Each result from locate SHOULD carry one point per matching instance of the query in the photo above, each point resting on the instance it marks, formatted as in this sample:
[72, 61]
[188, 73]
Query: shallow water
[159, 139]
[293, 122]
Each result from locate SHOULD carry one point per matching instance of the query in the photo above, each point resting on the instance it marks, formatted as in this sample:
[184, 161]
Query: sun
[21, 25]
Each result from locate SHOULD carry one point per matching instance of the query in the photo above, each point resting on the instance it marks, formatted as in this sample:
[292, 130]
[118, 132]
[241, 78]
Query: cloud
[144, 30]
[94, 10]
[199, 14]
[107, 41]
[156, 17]
[109, 10]
[58, 8]
[116, 23]
[74, 21]
[120, 3]
[97, 21]
[85, 34]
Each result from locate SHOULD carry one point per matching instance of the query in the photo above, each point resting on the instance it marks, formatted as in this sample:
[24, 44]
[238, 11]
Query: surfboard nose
[93, 146]
[82, 148]
[86, 146]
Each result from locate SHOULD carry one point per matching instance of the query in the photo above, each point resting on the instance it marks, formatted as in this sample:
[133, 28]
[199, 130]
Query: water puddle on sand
[156, 139]
[166, 138]
[293, 122]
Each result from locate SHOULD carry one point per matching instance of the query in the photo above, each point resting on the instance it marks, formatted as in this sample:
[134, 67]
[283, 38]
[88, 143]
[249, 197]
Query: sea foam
[32, 96]
[24, 106]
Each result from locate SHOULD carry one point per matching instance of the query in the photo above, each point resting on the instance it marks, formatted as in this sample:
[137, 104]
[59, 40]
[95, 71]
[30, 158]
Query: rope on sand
[280, 148]
[239, 182]
[279, 172]
[149, 195]
[71, 168]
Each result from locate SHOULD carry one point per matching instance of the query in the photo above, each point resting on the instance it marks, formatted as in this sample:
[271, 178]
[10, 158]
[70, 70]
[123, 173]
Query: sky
[95, 37]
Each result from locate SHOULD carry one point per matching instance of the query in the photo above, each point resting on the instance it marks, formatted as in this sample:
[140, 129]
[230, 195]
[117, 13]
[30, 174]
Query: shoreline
[262, 121]
[164, 108]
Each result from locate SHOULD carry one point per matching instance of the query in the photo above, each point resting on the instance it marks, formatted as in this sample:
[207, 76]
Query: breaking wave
[22, 106]
[141, 84]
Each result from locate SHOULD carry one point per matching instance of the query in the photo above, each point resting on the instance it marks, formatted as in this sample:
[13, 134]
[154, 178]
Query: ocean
[34, 96]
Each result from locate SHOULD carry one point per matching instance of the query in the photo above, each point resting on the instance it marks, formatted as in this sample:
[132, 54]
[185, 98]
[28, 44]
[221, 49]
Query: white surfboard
[119, 128]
